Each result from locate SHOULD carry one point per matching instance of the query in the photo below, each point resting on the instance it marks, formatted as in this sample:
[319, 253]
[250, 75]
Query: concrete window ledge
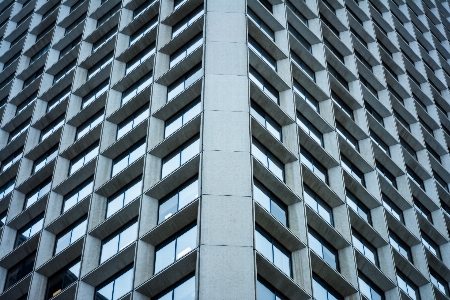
[367, 231]
[18, 289]
[278, 279]
[103, 8]
[130, 138]
[61, 259]
[308, 84]
[181, 12]
[76, 178]
[375, 274]
[181, 67]
[78, 146]
[70, 216]
[184, 36]
[111, 266]
[320, 187]
[406, 267]
[313, 147]
[144, 17]
[131, 106]
[172, 225]
[175, 179]
[266, 220]
[178, 138]
[16, 255]
[262, 67]
[170, 275]
[275, 185]
[30, 213]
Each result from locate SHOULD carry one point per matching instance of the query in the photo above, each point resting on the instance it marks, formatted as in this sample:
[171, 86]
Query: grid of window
[273, 251]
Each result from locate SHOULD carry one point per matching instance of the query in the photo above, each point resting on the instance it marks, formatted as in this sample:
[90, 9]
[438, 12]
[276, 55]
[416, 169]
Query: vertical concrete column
[226, 236]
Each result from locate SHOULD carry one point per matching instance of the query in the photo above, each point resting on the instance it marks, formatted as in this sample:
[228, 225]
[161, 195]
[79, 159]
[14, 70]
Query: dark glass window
[270, 202]
[63, 279]
[323, 249]
[20, 270]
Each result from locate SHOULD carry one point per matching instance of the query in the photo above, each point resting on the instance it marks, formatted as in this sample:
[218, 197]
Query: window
[83, 158]
[67, 69]
[132, 121]
[27, 231]
[175, 248]
[363, 246]
[264, 291]
[439, 282]
[392, 208]
[184, 290]
[441, 181]
[20, 270]
[368, 86]
[414, 177]
[7, 188]
[270, 202]
[143, 30]
[323, 249]
[264, 119]
[44, 159]
[37, 193]
[181, 118]
[263, 54]
[137, 87]
[184, 82]
[369, 289]
[11, 160]
[321, 290]
[314, 165]
[318, 205]
[389, 69]
[124, 196]
[431, 245]
[39, 53]
[186, 21]
[140, 58]
[78, 194]
[75, 23]
[264, 85]
[128, 157]
[352, 13]
[7, 81]
[299, 38]
[116, 286]
[93, 121]
[50, 10]
[63, 279]
[67, 237]
[297, 12]
[59, 98]
[95, 93]
[138, 11]
[70, 46]
[19, 130]
[273, 251]
[119, 240]
[364, 61]
[11, 60]
[426, 126]
[445, 207]
[106, 37]
[399, 245]
[408, 148]
[395, 94]
[359, 207]
[100, 65]
[421, 209]
[301, 64]
[77, 4]
[310, 129]
[19, 38]
[347, 136]
[178, 199]
[338, 77]
[410, 76]
[26, 103]
[267, 5]
[52, 127]
[108, 15]
[342, 105]
[328, 23]
[178, 3]
[304, 95]
[3, 218]
[385, 173]
[268, 159]
[407, 286]
[180, 156]
[260, 24]
[379, 142]
[24, 18]
[32, 77]
[336, 53]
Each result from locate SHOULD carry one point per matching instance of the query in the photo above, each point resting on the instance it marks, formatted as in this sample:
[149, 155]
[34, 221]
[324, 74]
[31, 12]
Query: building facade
[224, 149]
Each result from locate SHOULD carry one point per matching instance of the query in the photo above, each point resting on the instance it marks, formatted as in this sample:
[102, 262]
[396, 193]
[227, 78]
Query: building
[224, 149]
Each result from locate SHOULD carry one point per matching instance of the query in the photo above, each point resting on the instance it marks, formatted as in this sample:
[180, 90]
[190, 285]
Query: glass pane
[123, 284]
[114, 205]
[188, 194]
[72, 275]
[191, 113]
[136, 153]
[78, 231]
[62, 242]
[315, 244]
[330, 257]
[281, 260]
[105, 293]
[190, 151]
[194, 77]
[36, 227]
[263, 246]
[165, 256]
[170, 164]
[276, 167]
[128, 236]
[175, 89]
[186, 290]
[119, 165]
[261, 198]
[186, 242]
[168, 208]
[173, 125]
[122, 129]
[259, 155]
[263, 293]
[279, 213]
[109, 248]
[132, 192]
[319, 292]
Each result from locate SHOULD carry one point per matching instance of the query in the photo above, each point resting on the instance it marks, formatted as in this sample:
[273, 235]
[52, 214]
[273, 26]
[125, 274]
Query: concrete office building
[224, 149]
